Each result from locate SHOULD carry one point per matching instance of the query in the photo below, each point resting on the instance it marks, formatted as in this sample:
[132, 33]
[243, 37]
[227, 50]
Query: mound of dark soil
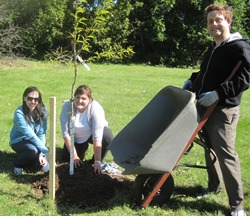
[84, 188]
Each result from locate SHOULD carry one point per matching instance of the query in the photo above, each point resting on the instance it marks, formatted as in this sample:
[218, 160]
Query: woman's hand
[97, 167]
[97, 145]
[44, 163]
[77, 161]
[42, 160]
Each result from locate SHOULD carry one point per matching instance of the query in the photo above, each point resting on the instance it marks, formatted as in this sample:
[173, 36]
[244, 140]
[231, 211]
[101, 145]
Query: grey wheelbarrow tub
[154, 140]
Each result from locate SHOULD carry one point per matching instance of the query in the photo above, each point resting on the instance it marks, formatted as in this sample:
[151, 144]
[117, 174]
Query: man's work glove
[187, 85]
[208, 98]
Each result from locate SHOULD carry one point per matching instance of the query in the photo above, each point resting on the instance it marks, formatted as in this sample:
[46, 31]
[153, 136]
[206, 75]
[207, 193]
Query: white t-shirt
[82, 127]
[91, 122]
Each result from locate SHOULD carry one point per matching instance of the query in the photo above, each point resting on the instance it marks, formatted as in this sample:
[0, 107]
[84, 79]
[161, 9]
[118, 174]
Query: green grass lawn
[123, 91]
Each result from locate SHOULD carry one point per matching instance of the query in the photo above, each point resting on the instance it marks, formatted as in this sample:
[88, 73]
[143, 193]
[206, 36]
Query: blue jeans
[27, 155]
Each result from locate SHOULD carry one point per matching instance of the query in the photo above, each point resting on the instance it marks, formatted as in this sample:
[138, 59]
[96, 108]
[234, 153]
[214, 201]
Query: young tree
[113, 33]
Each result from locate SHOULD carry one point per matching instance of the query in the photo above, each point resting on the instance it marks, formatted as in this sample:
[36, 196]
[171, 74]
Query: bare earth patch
[84, 188]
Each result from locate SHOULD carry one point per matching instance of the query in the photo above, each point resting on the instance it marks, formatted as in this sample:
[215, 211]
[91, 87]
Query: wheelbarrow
[151, 147]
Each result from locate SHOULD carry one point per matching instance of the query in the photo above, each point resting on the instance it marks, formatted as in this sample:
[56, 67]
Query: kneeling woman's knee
[33, 152]
[107, 135]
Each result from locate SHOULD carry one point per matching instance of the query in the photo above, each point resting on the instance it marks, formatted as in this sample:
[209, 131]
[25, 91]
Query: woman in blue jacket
[27, 137]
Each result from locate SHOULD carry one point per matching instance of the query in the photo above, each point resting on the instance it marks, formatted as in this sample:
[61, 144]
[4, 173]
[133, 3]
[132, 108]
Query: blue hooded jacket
[21, 130]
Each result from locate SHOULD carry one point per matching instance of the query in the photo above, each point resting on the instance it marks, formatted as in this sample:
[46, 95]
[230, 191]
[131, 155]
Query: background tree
[186, 34]
[41, 22]
[10, 39]
[147, 19]
[173, 32]
[241, 9]
[157, 32]
[110, 41]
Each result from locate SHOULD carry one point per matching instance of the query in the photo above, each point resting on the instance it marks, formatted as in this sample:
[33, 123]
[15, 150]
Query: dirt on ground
[84, 188]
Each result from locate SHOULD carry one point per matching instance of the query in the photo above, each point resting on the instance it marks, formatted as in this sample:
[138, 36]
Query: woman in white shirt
[90, 127]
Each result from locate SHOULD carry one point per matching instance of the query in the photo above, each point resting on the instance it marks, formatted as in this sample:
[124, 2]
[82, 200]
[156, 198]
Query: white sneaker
[238, 213]
[18, 171]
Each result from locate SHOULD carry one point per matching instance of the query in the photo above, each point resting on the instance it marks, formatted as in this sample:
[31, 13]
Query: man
[211, 85]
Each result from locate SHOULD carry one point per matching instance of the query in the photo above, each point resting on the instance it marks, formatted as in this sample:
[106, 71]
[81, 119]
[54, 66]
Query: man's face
[217, 25]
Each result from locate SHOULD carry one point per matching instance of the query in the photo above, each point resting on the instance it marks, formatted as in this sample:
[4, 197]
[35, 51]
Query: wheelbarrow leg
[156, 188]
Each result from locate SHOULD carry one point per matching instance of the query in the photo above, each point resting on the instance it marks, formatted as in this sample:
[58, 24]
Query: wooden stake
[52, 170]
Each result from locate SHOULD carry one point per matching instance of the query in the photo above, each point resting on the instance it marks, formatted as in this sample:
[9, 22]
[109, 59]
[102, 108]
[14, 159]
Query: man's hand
[208, 98]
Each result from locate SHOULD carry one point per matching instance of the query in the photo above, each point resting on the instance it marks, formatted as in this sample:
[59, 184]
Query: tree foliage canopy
[157, 32]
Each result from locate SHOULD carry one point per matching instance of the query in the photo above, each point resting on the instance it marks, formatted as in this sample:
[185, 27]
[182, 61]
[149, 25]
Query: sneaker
[206, 193]
[203, 194]
[238, 213]
[18, 171]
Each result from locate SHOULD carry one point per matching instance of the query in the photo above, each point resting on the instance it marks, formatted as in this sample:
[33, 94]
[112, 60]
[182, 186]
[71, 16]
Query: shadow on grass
[183, 197]
[6, 166]
[6, 161]
[22, 197]
[204, 206]
[186, 198]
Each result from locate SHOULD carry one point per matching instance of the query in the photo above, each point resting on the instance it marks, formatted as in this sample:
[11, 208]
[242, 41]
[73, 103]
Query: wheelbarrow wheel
[144, 184]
